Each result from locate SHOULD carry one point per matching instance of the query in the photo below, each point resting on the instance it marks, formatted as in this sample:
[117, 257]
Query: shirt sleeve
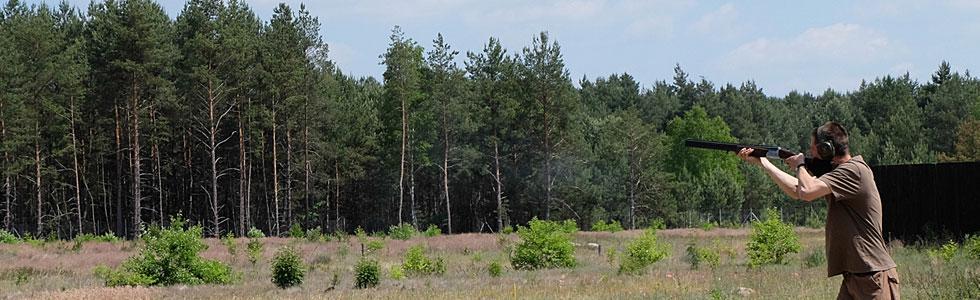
[844, 181]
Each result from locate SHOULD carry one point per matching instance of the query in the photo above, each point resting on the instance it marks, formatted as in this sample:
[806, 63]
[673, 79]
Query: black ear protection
[825, 150]
[826, 147]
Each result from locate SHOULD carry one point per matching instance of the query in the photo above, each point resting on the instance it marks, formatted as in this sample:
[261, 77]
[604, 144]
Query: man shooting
[854, 244]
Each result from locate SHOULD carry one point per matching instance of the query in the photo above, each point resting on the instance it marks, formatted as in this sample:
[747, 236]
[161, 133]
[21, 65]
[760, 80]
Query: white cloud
[652, 27]
[722, 22]
[838, 43]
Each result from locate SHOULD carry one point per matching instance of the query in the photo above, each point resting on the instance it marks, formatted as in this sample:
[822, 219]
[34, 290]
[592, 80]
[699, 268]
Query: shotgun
[817, 167]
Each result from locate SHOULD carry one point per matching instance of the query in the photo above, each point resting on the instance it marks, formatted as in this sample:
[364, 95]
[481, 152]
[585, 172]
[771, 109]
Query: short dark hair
[834, 133]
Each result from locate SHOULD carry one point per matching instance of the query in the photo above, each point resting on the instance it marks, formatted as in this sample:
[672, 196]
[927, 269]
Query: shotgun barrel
[816, 166]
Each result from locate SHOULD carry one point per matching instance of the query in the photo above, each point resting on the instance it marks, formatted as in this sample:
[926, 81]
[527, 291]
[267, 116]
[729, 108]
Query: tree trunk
[401, 174]
[445, 174]
[633, 180]
[336, 206]
[547, 160]
[7, 216]
[137, 167]
[74, 156]
[289, 177]
[275, 174]
[242, 174]
[120, 230]
[37, 169]
[306, 176]
[496, 177]
[212, 147]
[411, 190]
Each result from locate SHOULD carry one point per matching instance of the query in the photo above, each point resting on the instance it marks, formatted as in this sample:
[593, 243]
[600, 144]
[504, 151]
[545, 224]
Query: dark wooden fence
[929, 202]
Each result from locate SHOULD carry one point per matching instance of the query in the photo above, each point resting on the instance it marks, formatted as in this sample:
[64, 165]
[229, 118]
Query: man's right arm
[787, 183]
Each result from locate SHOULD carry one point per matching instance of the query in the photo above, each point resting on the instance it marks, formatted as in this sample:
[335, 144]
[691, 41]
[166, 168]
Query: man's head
[829, 141]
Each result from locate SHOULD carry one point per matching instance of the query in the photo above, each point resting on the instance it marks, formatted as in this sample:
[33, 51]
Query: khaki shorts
[872, 285]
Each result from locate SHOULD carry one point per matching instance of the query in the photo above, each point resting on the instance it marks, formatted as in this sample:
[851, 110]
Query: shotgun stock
[817, 167]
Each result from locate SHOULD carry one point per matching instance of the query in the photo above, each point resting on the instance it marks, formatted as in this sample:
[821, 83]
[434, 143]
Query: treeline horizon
[118, 116]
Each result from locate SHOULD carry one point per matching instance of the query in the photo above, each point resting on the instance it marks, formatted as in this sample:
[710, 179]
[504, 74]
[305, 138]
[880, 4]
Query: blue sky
[807, 46]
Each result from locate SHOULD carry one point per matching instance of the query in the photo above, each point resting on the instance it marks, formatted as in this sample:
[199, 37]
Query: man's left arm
[808, 188]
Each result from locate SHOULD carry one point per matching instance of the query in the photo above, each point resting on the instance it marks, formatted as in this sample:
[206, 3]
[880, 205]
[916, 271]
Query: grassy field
[63, 270]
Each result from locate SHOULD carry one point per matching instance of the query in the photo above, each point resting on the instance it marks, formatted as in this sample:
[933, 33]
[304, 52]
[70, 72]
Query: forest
[234, 122]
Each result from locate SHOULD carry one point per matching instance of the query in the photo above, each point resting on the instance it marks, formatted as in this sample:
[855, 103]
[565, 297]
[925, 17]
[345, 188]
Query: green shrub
[417, 264]
[31, 240]
[432, 231]
[229, 242]
[341, 236]
[397, 272]
[296, 231]
[658, 224]
[287, 268]
[7, 238]
[254, 248]
[316, 235]
[170, 255]
[367, 273]
[708, 225]
[495, 269]
[972, 246]
[612, 226]
[360, 233]
[88, 237]
[402, 231]
[544, 244]
[946, 252]
[771, 241]
[642, 252]
[375, 245]
[507, 229]
[702, 255]
[255, 233]
[815, 259]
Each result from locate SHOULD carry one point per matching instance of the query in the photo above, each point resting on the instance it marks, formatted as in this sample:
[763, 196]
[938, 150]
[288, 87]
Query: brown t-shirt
[853, 233]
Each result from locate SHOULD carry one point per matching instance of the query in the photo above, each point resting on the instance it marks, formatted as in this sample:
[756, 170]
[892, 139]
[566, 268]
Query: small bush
[544, 244]
[7, 238]
[33, 241]
[495, 269]
[397, 272]
[771, 241]
[88, 237]
[402, 231]
[612, 226]
[642, 252]
[255, 233]
[417, 264]
[708, 225]
[296, 231]
[316, 235]
[702, 255]
[367, 273]
[360, 233]
[254, 248]
[374, 246]
[815, 259]
[287, 268]
[432, 231]
[946, 252]
[341, 236]
[972, 246]
[658, 224]
[507, 229]
[229, 242]
[170, 255]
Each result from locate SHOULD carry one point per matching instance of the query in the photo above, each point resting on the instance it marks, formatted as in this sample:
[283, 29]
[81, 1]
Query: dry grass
[56, 271]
